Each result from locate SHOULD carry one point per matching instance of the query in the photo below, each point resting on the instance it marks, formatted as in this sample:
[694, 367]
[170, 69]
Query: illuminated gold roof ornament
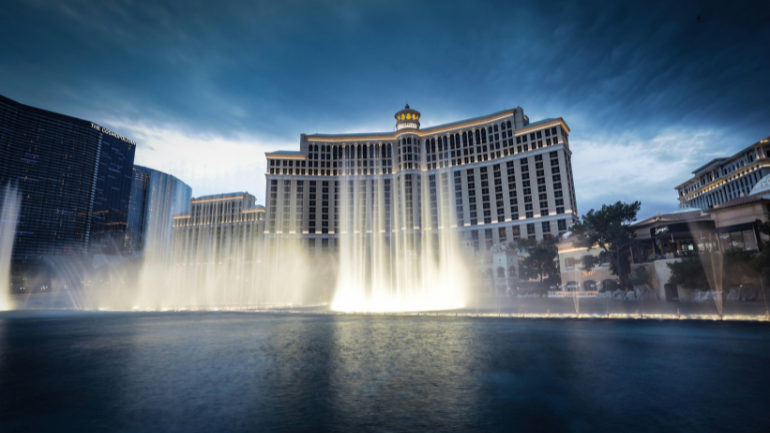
[407, 119]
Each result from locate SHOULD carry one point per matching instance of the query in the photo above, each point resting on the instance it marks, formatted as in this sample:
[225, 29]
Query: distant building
[155, 198]
[74, 179]
[574, 276]
[494, 178]
[219, 227]
[499, 270]
[725, 179]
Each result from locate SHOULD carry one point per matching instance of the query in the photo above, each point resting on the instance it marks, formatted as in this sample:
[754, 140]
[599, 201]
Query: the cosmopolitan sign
[108, 132]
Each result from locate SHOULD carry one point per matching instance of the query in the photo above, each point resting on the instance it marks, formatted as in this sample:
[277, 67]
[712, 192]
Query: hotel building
[74, 178]
[219, 227]
[724, 179]
[155, 198]
[494, 178]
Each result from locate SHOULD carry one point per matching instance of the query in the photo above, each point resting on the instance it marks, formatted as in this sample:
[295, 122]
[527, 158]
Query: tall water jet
[713, 264]
[402, 255]
[9, 215]
[219, 259]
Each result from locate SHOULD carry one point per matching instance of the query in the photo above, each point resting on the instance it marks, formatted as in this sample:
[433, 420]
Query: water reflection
[259, 372]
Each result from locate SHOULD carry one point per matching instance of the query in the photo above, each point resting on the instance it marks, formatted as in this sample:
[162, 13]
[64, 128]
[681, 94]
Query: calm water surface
[213, 372]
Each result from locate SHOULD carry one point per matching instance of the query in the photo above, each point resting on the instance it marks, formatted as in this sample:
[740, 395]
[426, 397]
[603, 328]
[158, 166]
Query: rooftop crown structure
[407, 119]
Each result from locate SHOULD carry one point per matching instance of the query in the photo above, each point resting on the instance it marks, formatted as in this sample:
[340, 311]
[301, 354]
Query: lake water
[213, 372]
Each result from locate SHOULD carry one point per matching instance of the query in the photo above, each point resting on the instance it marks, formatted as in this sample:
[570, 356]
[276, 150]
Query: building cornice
[760, 163]
[471, 123]
[721, 162]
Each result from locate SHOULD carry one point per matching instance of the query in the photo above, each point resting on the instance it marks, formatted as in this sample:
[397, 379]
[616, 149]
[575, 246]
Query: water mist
[9, 215]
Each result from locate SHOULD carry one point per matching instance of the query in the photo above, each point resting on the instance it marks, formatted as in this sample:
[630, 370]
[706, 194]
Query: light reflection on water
[230, 371]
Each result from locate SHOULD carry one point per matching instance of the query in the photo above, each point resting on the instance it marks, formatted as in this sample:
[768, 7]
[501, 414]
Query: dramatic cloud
[626, 167]
[209, 164]
[630, 78]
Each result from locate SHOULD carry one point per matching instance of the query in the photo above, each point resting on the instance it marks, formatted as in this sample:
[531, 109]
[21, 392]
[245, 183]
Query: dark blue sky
[651, 90]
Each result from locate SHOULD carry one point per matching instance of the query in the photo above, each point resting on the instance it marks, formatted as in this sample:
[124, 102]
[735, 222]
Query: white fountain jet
[399, 251]
[9, 215]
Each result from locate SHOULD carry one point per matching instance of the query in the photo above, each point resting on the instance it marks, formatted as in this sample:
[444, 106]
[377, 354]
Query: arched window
[502, 125]
[490, 129]
[465, 138]
[457, 140]
[508, 123]
[500, 273]
[483, 136]
[389, 150]
[408, 140]
[496, 130]
[433, 144]
[478, 137]
[427, 146]
[452, 142]
[365, 147]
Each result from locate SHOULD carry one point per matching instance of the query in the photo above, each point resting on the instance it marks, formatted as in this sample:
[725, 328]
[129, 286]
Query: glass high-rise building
[74, 178]
[155, 198]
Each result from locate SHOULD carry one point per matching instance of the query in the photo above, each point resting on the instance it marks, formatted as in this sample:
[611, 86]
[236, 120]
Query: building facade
[219, 228]
[156, 197]
[725, 179]
[494, 179]
[74, 179]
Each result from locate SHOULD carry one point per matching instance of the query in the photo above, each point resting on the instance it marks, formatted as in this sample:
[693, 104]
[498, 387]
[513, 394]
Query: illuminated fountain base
[394, 304]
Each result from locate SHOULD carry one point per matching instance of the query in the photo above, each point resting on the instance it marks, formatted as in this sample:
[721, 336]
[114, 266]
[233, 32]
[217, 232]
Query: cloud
[630, 167]
[629, 78]
[210, 164]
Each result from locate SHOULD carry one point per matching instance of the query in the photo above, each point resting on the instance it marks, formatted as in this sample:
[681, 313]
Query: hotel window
[530, 229]
[546, 226]
[562, 225]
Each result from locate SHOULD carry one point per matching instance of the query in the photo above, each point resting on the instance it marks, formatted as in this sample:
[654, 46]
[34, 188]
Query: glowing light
[399, 271]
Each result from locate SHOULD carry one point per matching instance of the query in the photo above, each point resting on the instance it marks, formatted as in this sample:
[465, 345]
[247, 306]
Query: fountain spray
[9, 215]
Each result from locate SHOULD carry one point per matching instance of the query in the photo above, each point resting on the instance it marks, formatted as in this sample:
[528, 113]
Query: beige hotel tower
[494, 178]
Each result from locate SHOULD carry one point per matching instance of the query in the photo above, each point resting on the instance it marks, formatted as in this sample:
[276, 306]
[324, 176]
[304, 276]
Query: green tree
[525, 244]
[688, 273]
[640, 276]
[610, 229]
[541, 262]
[761, 262]
[739, 267]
